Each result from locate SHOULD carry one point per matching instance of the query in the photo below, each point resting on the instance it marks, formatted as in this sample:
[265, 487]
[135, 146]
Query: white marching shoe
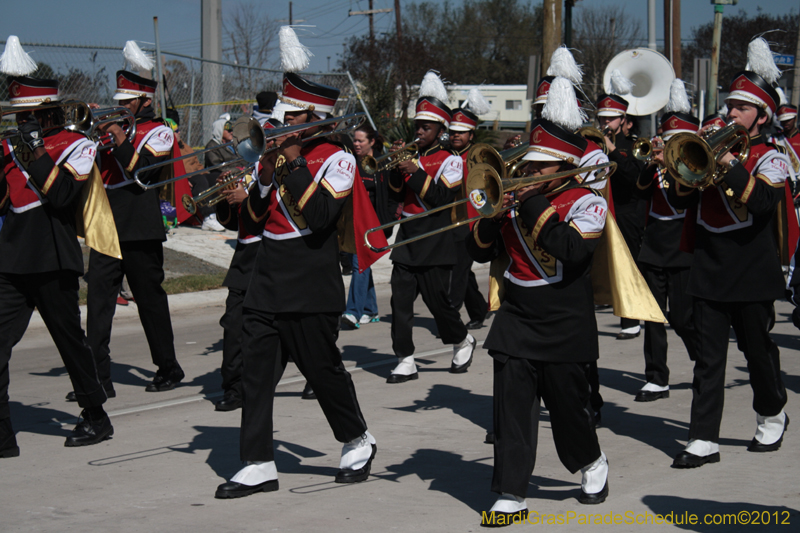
[356, 461]
[594, 482]
[506, 511]
[406, 370]
[257, 476]
[210, 223]
[769, 432]
[697, 453]
[462, 355]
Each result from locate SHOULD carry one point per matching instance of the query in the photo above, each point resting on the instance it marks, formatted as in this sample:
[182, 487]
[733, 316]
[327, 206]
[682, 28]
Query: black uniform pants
[311, 339]
[433, 282]
[143, 264]
[519, 387]
[231, 323]
[55, 295]
[464, 287]
[668, 286]
[751, 323]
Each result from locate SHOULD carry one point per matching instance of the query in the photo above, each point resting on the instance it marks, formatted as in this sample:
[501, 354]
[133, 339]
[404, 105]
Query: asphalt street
[432, 470]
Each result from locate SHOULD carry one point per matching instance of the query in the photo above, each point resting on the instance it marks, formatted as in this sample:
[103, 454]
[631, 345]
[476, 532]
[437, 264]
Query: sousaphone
[651, 74]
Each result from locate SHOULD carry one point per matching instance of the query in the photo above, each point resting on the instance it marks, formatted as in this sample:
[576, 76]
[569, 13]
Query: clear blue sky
[113, 22]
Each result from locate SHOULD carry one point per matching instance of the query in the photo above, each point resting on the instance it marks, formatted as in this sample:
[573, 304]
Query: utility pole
[672, 34]
[211, 39]
[369, 13]
[796, 77]
[716, 38]
[290, 13]
[401, 70]
[551, 32]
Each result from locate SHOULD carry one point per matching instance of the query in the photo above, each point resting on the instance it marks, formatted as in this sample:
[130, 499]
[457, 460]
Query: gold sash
[94, 219]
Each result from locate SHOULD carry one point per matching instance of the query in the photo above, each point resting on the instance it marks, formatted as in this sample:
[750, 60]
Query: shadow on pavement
[477, 408]
[728, 516]
[38, 418]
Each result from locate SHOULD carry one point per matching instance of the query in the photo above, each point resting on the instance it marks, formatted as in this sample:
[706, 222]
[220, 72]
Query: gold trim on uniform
[295, 103]
[140, 94]
[679, 190]
[478, 240]
[78, 177]
[590, 235]
[557, 155]
[765, 179]
[334, 193]
[748, 190]
[253, 215]
[544, 217]
[37, 100]
[301, 203]
[157, 154]
[424, 191]
[133, 162]
[50, 179]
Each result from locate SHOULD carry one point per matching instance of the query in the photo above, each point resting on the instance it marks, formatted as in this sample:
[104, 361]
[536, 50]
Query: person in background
[362, 304]
[265, 103]
[220, 134]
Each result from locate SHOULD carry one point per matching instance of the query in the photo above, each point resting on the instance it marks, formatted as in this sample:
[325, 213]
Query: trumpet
[109, 115]
[250, 144]
[597, 136]
[487, 182]
[644, 149]
[371, 165]
[213, 195]
[694, 160]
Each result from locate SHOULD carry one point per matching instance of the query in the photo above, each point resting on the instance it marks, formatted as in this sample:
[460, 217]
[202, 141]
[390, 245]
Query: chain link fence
[199, 90]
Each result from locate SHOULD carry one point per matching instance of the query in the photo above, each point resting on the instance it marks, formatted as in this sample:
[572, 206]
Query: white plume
[678, 101]
[294, 55]
[14, 61]
[432, 85]
[562, 105]
[781, 96]
[620, 85]
[137, 59]
[477, 103]
[563, 64]
[761, 61]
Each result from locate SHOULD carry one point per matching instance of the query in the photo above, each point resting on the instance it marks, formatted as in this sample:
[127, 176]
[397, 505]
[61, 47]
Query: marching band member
[464, 287]
[736, 275]
[664, 266]
[545, 331]
[137, 213]
[629, 209]
[790, 136]
[44, 171]
[296, 293]
[425, 266]
[236, 280]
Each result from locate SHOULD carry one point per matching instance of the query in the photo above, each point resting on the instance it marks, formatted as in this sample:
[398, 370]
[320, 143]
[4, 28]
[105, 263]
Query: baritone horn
[694, 161]
[644, 149]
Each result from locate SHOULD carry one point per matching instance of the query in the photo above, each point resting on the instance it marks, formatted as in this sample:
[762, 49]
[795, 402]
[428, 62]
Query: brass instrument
[250, 144]
[597, 136]
[388, 161]
[101, 117]
[213, 195]
[488, 180]
[694, 160]
[644, 149]
[652, 75]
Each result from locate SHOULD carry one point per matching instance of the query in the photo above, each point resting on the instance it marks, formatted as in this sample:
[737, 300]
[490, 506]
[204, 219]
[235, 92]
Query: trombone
[644, 149]
[488, 182]
[80, 118]
[249, 142]
[693, 160]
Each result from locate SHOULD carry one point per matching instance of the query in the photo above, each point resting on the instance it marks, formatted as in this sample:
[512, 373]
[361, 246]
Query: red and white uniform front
[152, 137]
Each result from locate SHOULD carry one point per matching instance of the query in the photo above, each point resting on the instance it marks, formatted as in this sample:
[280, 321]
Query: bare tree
[253, 38]
[600, 33]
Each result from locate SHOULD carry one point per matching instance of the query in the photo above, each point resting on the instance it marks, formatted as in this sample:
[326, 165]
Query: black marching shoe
[308, 393]
[110, 393]
[8, 442]
[356, 476]
[402, 378]
[650, 396]
[689, 460]
[461, 369]
[756, 446]
[232, 489]
[475, 324]
[229, 402]
[166, 379]
[626, 336]
[594, 499]
[489, 437]
[90, 430]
